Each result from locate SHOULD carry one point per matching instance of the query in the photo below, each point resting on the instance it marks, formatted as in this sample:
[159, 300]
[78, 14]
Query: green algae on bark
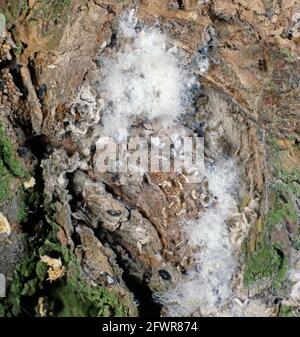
[265, 263]
[12, 176]
[269, 260]
[73, 293]
[8, 156]
[288, 311]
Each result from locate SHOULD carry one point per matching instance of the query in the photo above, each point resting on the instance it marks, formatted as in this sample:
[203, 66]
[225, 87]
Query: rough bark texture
[113, 232]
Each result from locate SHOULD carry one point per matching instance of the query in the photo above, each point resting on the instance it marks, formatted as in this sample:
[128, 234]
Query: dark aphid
[22, 151]
[41, 91]
[180, 4]
[114, 177]
[203, 50]
[146, 179]
[278, 300]
[147, 277]
[289, 34]
[110, 10]
[262, 64]
[137, 302]
[112, 212]
[183, 270]
[200, 129]
[113, 40]
[197, 127]
[41, 146]
[164, 275]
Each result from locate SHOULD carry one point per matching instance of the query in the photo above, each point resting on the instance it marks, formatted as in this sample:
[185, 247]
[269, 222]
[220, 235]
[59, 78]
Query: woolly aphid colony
[149, 79]
[207, 289]
[145, 80]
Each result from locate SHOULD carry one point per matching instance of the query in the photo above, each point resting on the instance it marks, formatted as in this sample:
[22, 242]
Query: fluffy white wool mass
[148, 79]
[207, 288]
[144, 80]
